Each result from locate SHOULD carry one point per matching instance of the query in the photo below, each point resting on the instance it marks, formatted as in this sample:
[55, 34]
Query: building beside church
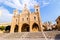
[26, 21]
[58, 23]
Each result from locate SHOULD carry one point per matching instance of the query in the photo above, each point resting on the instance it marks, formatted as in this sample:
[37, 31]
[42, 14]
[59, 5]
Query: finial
[16, 11]
[25, 5]
[36, 5]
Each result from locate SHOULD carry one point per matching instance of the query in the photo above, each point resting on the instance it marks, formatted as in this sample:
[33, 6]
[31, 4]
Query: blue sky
[49, 9]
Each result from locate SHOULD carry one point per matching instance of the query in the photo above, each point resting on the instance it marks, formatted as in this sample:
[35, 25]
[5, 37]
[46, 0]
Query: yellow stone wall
[18, 19]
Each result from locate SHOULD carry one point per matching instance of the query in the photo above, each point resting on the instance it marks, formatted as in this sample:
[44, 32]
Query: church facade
[26, 21]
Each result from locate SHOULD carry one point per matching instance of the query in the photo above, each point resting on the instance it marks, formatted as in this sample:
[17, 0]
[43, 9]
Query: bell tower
[37, 12]
[37, 8]
[14, 20]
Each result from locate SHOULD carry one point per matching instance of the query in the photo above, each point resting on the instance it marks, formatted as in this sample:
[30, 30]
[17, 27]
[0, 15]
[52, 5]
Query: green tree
[2, 28]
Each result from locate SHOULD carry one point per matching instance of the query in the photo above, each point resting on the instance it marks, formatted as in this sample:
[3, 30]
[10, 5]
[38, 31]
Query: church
[26, 21]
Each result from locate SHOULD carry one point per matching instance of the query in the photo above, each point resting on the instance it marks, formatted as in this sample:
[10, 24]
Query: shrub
[2, 28]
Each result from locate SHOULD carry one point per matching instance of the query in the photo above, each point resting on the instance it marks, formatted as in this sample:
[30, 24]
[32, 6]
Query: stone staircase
[52, 34]
[31, 35]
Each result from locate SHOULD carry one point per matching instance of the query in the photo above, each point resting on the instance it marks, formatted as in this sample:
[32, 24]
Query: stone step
[49, 34]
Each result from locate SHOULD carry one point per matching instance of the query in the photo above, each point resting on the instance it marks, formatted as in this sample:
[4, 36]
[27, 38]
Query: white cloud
[5, 16]
[0, 12]
[30, 3]
[19, 4]
[45, 3]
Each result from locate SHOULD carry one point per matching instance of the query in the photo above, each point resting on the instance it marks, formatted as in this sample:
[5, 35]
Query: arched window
[22, 19]
[36, 9]
[16, 20]
[34, 18]
[57, 22]
[27, 19]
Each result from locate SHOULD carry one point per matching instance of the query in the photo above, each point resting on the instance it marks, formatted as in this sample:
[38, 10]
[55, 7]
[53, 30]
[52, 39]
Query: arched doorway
[16, 28]
[25, 28]
[7, 29]
[35, 27]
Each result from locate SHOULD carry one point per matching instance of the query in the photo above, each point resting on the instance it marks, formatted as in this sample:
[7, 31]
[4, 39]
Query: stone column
[12, 29]
[31, 23]
[30, 27]
[13, 25]
[20, 27]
